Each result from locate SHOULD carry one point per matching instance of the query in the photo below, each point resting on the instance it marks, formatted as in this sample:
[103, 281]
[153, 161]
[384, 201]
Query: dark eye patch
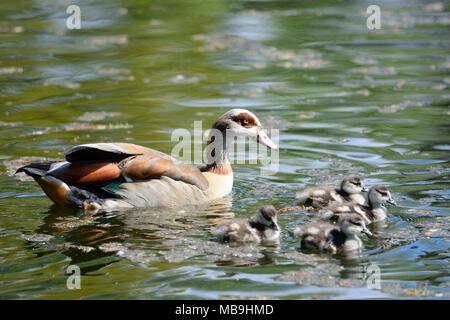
[244, 120]
[355, 223]
[382, 193]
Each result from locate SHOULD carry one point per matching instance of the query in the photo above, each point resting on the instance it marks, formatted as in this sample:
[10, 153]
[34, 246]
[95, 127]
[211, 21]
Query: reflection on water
[346, 99]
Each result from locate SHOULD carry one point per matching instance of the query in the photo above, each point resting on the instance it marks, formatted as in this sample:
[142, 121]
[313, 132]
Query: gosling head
[267, 215]
[353, 184]
[379, 195]
[242, 123]
[353, 224]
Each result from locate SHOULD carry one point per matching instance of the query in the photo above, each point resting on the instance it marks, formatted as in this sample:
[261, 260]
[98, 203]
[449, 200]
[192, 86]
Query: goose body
[332, 238]
[320, 197]
[374, 211]
[122, 175]
[263, 227]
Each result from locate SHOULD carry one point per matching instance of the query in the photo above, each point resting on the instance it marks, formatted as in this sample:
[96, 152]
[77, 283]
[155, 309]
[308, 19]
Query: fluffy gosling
[332, 238]
[320, 197]
[263, 227]
[375, 210]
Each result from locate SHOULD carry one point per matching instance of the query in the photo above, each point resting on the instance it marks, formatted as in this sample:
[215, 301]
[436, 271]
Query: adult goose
[105, 176]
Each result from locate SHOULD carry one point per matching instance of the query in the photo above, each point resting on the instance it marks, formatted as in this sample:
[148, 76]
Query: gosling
[263, 227]
[320, 197]
[326, 237]
[375, 210]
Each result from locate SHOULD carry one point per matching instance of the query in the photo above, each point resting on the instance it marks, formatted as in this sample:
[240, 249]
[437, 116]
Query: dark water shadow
[92, 240]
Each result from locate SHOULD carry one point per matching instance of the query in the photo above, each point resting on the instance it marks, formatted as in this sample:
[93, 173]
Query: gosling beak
[364, 189]
[392, 202]
[264, 139]
[367, 232]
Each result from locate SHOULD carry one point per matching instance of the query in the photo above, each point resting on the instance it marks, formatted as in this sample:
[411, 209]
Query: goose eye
[245, 122]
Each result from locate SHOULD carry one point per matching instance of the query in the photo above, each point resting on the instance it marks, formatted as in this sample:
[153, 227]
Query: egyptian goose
[332, 238]
[375, 210]
[263, 227]
[319, 197]
[121, 175]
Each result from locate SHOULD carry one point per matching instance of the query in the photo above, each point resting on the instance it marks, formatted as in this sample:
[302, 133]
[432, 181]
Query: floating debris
[62, 83]
[97, 116]
[122, 11]
[134, 255]
[182, 79]
[11, 70]
[362, 60]
[11, 166]
[265, 55]
[138, 256]
[396, 107]
[438, 227]
[434, 7]
[271, 13]
[10, 124]
[155, 22]
[399, 84]
[321, 275]
[374, 70]
[79, 126]
[416, 290]
[17, 29]
[417, 211]
[113, 71]
[37, 237]
[188, 248]
[275, 122]
[84, 249]
[112, 247]
[99, 41]
[116, 74]
[335, 170]
[91, 126]
[307, 114]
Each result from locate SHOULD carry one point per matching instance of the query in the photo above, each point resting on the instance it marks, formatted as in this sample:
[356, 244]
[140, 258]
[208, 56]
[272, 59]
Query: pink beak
[264, 139]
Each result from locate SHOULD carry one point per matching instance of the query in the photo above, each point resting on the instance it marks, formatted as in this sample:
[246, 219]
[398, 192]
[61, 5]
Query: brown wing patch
[92, 163]
[86, 172]
[141, 168]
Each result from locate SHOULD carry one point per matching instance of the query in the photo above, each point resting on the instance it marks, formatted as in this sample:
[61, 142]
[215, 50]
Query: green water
[346, 100]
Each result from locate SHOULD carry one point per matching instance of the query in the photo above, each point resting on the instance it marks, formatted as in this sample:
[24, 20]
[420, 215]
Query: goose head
[243, 123]
[353, 184]
[353, 224]
[267, 216]
[380, 195]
